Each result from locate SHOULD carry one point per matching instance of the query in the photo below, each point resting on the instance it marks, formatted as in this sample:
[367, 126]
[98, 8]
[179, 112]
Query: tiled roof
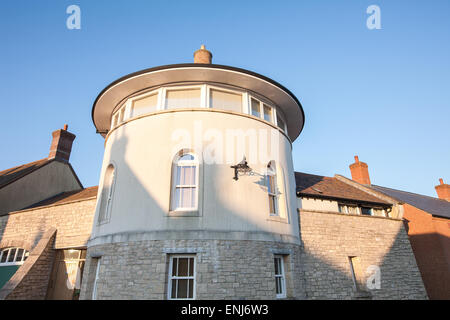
[9, 175]
[434, 206]
[66, 197]
[327, 187]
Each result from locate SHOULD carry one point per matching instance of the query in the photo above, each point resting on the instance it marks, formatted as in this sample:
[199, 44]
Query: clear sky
[381, 94]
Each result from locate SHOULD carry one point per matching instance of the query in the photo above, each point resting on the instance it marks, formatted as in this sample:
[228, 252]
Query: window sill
[277, 219]
[183, 213]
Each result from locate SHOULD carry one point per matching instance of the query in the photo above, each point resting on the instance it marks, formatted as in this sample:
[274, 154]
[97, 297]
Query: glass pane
[277, 265]
[255, 108]
[71, 254]
[191, 267]
[116, 118]
[280, 121]
[366, 211]
[187, 176]
[271, 184]
[351, 209]
[26, 255]
[174, 289]
[145, 105]
[191, 288]
[174, 266]
[182, 288]
[183, 267]
[278, 285]
[185, 197]
[4, 255]
[12, 253]
[267, 113]
[187, 157]
[272, 204]
[189, 98]
[121, 115]
[19, 255]
[225, 100]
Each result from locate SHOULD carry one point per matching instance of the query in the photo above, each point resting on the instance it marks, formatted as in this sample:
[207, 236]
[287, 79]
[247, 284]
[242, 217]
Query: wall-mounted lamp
[241, 167]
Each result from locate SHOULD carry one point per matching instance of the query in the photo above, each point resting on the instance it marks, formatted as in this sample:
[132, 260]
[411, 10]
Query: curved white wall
[142, 151]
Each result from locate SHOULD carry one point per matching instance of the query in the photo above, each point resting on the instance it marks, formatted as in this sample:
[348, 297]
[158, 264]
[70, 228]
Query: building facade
[198, 199]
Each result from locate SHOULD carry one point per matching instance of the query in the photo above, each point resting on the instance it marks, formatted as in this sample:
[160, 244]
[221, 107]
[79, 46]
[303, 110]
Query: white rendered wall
[142, 151]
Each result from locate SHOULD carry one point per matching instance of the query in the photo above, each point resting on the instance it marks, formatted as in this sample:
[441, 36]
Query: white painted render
[142, 151]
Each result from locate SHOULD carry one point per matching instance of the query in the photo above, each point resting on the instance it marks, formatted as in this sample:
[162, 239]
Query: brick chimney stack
[360, 171]
[202, 55]
[61, 144]
[443, 190]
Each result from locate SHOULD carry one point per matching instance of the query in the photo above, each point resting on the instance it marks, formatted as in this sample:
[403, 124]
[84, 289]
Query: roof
[316, 186]
[434, 206]
[115, 93]
[66, 197]
[10, 175]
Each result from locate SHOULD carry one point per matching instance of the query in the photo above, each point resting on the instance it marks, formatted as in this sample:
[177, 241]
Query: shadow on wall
[329, 245]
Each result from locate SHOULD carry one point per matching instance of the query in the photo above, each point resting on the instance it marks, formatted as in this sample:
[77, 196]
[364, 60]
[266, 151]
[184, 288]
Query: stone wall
[73, 222]
[31, 280]
[225, 269]
[329, 239]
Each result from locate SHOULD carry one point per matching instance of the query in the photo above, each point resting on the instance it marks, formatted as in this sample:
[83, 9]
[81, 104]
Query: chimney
[360, 172]
[202, 55]
[61, 144]
[443, 190]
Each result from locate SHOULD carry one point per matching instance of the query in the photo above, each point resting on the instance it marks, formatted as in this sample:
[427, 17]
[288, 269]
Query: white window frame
[178, 162]
[171, 277]
[231, 91]
[282, 275]
[94, 287]
[25, 255]
[272, 172]
[180, 88]
[109, 198]
[143, 96]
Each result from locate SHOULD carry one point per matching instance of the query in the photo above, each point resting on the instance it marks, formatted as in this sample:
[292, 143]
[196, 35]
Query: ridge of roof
[329, 187]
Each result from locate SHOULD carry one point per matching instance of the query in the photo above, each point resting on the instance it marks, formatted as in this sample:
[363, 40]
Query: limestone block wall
[225, 269]
[73, 222]
[30, 282]
[330, 239]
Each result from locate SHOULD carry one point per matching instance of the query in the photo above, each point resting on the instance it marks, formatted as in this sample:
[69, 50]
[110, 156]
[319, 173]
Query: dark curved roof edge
[207, 65]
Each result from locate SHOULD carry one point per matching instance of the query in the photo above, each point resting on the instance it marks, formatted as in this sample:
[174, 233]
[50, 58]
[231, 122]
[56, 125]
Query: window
[350, 209]
[267, 113]
[181, 277]
[144, 105]
[366, 211]
[272, 189]
[107, 194]
[255, 108]
[97, 268]
[13, 256]
[355, 270]
[225, 100]
[280, 121]
[183, 98]
[379, 212]
[280, 281]
[185, 182]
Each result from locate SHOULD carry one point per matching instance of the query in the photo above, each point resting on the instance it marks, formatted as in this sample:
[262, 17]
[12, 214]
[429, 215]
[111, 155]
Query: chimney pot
[441, 181]
[61, 144]
[360, 171]
[202, 55]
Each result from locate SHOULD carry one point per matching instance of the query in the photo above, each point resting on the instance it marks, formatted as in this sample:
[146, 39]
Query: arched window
[272, 188]
[107, 193]
[13, 256]
[185, 182]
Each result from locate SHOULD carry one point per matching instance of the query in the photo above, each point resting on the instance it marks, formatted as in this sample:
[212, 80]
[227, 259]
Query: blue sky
[381, 94]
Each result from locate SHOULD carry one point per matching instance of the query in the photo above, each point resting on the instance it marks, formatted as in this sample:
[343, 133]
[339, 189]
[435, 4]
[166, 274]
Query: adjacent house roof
[10, 175]
[316, 186]
[66, 197]
[434, 206]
